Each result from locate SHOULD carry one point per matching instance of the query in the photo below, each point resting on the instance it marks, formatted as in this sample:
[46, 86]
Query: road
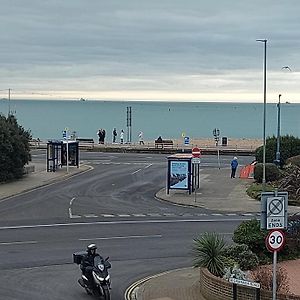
[112, 205]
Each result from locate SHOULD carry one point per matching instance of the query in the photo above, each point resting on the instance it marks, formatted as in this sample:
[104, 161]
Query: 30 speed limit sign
[275, 240]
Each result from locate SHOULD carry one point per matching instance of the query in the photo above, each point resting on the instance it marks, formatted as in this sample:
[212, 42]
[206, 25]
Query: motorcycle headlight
[101, 267]
[99, 278]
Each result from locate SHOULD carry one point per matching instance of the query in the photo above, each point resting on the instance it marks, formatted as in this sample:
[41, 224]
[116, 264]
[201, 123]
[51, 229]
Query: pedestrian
[99, 133]
[103, 135]
[122, 136]
[141, 138]
[114, 135]
[234, 164]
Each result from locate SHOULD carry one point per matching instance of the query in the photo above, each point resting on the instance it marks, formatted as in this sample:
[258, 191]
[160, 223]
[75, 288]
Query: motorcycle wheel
[106, 293]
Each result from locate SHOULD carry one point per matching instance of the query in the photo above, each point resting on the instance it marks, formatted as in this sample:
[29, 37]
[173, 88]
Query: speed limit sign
[275, 240]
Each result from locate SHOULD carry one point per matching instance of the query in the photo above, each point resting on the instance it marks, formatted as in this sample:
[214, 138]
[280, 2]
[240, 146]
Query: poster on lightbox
[179, 175]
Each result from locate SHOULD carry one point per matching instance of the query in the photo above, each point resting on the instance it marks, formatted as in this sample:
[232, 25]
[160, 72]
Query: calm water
[47, 119]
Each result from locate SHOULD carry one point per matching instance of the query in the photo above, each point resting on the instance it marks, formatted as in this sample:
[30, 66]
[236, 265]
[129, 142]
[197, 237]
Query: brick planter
[215, 288]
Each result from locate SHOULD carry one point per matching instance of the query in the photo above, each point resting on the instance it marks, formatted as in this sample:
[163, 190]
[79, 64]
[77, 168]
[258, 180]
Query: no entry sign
[196, 152]
[275, 240]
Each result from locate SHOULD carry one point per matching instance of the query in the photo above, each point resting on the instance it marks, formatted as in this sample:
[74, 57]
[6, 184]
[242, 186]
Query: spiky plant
[208, 252]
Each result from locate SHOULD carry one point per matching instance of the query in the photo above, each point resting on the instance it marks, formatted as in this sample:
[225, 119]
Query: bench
[163, 144]
[85, 142]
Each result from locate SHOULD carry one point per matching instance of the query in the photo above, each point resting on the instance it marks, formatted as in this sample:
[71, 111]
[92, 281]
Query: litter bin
[224, 141]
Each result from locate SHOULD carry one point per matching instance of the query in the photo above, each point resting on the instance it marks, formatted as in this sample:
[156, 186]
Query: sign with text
[275, 240]
[275, 212]
[274, 206]
[245, 283]
[179, 175]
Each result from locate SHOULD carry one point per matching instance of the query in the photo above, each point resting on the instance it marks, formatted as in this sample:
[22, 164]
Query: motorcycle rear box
[77, 257]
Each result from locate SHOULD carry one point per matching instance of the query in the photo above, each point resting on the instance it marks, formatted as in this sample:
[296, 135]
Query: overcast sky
[149, 50]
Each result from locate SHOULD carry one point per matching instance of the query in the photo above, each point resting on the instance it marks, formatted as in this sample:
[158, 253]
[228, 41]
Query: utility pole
[264, 118]
[9, 111]
[277, 160]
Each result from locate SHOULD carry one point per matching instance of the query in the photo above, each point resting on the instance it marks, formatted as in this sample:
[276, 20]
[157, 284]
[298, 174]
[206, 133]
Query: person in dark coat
[234, 164]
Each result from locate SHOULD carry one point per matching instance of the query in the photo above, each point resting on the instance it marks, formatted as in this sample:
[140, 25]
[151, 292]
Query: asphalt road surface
[114, 206]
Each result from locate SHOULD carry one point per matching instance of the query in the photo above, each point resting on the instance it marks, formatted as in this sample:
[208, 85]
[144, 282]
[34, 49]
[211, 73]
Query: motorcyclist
[87, 263]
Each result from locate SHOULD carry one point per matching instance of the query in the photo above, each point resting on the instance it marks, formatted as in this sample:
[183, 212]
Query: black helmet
[91, 249]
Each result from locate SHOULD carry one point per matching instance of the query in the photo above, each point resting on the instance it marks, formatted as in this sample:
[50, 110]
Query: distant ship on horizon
[82, 99]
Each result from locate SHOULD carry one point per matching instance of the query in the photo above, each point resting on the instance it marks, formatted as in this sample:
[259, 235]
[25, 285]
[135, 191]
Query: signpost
[66, 137]
[247, 283]
[274, 207]
[196, 152]
[275, 242]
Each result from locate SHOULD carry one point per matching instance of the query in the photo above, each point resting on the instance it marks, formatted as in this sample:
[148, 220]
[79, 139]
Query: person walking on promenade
[122, 137]
[114, 135]
[141, 138]
[234, 164]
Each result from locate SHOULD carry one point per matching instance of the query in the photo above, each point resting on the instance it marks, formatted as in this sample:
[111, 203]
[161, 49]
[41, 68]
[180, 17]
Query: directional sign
[275, 212]
[275, 240]
[196, 152]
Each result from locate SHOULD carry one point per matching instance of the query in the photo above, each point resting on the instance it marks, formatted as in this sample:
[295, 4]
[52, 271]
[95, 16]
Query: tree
[209, 253]
[14, 148]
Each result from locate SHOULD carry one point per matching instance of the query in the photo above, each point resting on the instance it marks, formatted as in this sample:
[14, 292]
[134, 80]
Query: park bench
[163, 144]
[86, 142]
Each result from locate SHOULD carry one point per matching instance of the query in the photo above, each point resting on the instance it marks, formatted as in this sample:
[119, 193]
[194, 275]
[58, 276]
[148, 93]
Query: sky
[175, 50]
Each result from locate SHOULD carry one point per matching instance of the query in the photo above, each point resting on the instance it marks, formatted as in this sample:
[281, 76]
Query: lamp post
[264, 117]
[277, 160]
[216, 133]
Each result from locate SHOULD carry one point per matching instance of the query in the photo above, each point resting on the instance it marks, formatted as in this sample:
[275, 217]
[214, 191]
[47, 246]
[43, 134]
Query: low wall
[215, 288]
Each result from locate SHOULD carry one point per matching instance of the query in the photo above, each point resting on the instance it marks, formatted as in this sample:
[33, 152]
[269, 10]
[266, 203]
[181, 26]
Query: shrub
[14, 148]
[250, 234]
[295, 160]
[272, 172]
[289, 147]
[264, 275]
[246, 259]
[208, 251]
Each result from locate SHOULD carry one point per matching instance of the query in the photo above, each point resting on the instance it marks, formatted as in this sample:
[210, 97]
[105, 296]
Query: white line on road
[70, 208]
[136, 171]
[123, 237]
[122, 222]
[18, 243]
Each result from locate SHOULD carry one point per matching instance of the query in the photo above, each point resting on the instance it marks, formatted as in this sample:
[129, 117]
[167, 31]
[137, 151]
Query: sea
[46, 119]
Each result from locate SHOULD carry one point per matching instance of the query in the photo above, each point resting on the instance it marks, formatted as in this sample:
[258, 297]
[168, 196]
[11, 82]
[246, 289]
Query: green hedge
[289, 147]
[272, 172]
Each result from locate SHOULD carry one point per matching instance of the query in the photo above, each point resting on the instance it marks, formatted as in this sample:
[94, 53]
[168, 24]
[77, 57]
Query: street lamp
[277, 160]
[216, 133]
[264, 118]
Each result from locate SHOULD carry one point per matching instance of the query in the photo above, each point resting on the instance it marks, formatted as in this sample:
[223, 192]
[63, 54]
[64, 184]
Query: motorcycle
[100, 285]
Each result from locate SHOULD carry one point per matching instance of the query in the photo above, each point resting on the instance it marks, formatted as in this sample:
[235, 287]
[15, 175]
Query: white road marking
[124, 215]
[148, 166]
[122, 222]
[107, 215]
[70, 208]
[123, 237]
[139, 215]
[18, 243]
[136, 171]
[91, 216]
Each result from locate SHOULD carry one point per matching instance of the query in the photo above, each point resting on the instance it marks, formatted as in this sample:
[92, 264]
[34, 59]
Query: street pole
[278, 132]
[264, 117]
[9, 102]
[274, 275]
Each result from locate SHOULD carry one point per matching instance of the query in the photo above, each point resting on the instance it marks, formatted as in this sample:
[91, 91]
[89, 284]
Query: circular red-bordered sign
[275, 240]
[196, 152]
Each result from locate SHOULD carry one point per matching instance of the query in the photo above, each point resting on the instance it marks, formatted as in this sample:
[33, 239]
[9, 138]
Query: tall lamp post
[277, 160]
[264, 117]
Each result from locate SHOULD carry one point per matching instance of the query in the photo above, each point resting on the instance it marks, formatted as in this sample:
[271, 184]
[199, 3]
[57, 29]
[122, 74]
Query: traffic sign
[187, 140]
[245, 282]
[196, 152]
[196, 160]
[275, 212]
[275, 240]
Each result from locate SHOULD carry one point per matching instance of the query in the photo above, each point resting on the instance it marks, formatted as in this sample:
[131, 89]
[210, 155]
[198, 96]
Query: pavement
[217, 192]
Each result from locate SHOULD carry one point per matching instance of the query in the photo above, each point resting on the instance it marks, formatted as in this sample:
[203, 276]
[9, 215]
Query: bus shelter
[57, 154]
[182, 174]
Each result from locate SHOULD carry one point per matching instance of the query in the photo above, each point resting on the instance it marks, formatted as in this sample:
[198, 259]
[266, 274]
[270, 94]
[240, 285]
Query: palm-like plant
[208, 252]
